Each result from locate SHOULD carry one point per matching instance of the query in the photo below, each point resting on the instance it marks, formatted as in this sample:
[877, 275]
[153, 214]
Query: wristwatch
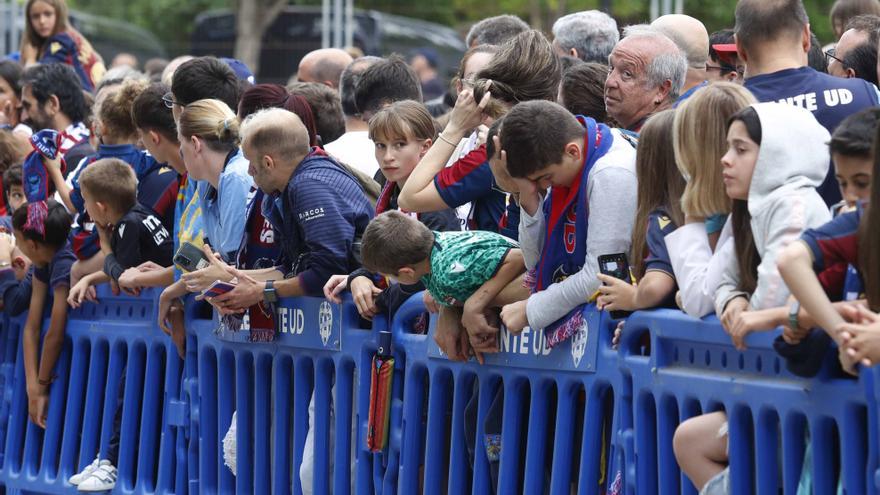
[270, 293]
[793, 315]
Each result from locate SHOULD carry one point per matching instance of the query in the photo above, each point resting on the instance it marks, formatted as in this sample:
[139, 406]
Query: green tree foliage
[172, 20]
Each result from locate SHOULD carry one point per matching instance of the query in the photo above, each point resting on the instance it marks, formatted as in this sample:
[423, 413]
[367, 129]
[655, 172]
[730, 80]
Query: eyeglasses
[168, 99]
[831, 54]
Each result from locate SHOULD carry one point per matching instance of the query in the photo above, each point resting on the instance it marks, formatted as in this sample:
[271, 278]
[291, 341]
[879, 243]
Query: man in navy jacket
[318, 210]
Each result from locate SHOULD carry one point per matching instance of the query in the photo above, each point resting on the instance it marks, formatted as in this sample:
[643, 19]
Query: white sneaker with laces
[103, 479]
[87, 471]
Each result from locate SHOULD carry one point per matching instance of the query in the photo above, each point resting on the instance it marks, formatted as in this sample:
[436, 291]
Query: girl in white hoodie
[777, 155]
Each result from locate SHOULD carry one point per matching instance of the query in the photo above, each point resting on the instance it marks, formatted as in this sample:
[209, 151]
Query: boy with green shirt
[467, 273]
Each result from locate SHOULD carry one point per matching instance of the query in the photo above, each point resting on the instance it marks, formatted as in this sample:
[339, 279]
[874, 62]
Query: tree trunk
[252, 19]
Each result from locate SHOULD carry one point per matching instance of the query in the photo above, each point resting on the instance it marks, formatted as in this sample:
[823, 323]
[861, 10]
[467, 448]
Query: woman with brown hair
[658, 213]
[49, 38]
[525, 68]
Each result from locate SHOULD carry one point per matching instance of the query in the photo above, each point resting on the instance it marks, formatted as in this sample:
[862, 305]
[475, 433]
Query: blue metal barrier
[318, 350]
[580, 417]
[556, 420]
[101, 340]
[690, 367]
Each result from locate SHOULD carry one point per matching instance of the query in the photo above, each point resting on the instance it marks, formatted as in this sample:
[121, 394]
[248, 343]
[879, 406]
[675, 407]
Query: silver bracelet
[445, 140]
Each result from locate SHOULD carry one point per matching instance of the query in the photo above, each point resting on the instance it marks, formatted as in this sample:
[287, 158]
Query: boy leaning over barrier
[131, 233]
[466, 273]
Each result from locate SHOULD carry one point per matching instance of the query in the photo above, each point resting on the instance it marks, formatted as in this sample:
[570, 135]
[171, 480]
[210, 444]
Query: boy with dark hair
[131, 234]
[852, 152]
[473, 270]
[13, 189]
[386, 82]
[203, 77]
[158, 133]
[588, 212]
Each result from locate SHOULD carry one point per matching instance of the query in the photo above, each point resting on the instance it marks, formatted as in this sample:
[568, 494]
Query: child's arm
[796, 267]
[419, 193]
[618, 294]
[53, 342]
[53, 167]
[79, 291]
[473, 318]
[30, 344]
[135, 278]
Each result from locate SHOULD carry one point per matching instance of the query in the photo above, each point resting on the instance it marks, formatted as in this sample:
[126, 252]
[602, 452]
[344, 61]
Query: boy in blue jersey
[318, 210]
[773, 38]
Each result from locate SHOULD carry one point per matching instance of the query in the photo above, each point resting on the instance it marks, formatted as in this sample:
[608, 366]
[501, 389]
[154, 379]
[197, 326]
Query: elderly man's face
[628, 97]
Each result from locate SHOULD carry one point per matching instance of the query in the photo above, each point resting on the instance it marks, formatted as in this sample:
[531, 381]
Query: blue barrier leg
[766, 449]
[323, 405]
[281, 376]
[510, 469]
[536, 447]
[412, 450]
[647, 443]
[208, 434]
[437, 440]
[302, 388]
[226, 392]
[344, 441]
[244, 406]
[666, 470]
[853, 459]
[488, 388]
[459, 479]
[563, 442]
[150, 445]
[263, 423]
[73, 420]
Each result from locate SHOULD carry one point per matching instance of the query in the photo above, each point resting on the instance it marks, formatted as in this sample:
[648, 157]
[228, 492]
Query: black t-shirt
[137, 238]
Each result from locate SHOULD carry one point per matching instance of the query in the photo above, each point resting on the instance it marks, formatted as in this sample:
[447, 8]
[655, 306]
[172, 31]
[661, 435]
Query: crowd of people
[731, 172]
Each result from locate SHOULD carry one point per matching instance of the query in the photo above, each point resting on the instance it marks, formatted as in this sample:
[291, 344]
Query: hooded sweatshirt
[783, 201]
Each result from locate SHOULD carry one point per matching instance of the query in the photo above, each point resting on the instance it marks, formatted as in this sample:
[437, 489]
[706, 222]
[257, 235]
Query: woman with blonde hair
[49, 38]
[208, 132]
[698, 249]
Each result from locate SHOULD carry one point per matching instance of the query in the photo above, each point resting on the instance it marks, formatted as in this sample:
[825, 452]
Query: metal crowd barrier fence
[678, 367]
[579, 418]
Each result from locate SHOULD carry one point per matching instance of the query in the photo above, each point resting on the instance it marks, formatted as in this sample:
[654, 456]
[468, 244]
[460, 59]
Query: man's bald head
[323, 66]
[689, 34]
[276, 132]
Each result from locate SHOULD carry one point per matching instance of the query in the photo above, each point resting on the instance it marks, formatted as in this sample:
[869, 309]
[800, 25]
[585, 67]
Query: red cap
[726, 52]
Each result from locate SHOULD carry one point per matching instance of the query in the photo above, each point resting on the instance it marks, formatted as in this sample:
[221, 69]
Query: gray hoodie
[783, 202]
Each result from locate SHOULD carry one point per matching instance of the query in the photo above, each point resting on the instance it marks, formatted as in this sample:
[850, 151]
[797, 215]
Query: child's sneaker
[103, 479]
[87, 471]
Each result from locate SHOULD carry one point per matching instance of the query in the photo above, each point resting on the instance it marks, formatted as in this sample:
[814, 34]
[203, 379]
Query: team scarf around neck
[566, 211]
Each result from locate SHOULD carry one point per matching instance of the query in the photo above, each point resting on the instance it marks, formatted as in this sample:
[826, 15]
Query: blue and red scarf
[566, 211]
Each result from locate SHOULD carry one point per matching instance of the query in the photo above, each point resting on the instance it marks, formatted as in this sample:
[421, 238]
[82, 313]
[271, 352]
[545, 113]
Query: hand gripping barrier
[555, 424]
[103, 342]
[578, 418]
[690, 367]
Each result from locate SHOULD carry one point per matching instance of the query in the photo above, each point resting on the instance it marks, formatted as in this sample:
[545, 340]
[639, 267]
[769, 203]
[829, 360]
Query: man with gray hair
[495, 30]
[646, 74]
[589, 35]
[692, 39]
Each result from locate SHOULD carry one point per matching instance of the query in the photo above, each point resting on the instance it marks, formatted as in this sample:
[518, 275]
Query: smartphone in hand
[617, 266]
[190, 258]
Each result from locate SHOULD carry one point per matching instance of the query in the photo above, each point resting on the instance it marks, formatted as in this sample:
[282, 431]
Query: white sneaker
[87, 471]
[103, 479]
